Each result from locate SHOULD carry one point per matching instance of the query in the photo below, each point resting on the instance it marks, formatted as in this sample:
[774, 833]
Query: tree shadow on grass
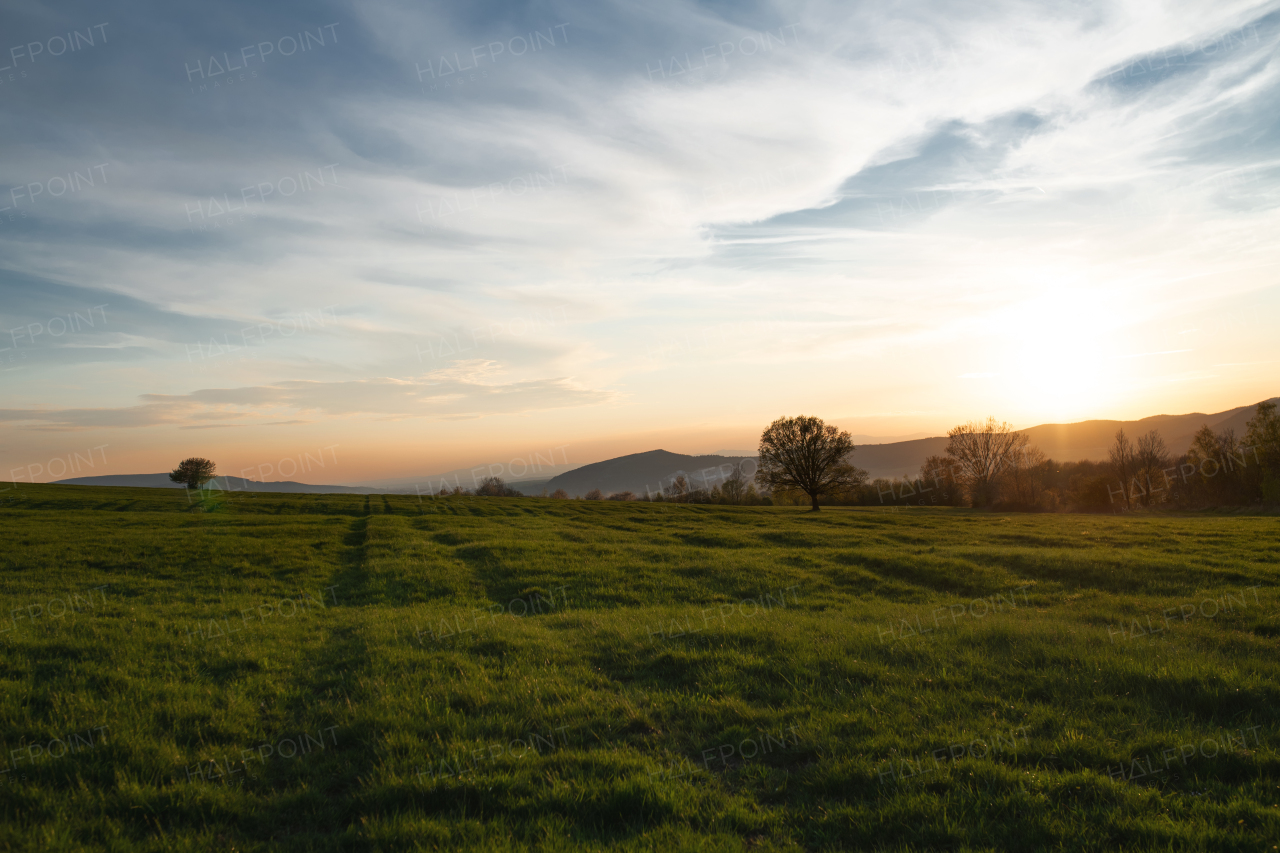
[312, 801]
[296, 781]
[504, 582]
[315, 802]
[352, 580]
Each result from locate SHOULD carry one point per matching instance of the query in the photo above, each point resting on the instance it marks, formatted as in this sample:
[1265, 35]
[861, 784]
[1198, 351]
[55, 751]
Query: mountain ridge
[647, 472]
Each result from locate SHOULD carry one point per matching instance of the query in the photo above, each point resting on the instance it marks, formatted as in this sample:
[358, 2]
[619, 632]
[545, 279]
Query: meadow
[322, 672]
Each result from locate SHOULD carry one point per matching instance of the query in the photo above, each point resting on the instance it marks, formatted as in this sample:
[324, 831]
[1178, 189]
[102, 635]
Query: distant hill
[647, 472]
[900, 457]
[1063, 442]
[227, 484]
[524, 470]
[1091, 439]
[653, 470]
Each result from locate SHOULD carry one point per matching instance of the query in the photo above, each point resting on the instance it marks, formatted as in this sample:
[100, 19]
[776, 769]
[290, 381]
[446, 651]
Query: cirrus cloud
[449, 394]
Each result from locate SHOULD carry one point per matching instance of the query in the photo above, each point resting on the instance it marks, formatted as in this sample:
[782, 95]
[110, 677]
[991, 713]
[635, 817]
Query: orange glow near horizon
[351, 456]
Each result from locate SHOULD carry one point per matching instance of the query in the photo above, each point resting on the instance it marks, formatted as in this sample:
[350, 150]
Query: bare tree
[622, 496]
[1150, 461]
[560, 495]
[595, 495]
[193, 472]
[734, 489]
[983, 450]
[806, 454]
[1122, 456]
[1024, 475]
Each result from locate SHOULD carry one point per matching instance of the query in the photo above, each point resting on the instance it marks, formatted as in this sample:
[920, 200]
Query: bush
[494, 487]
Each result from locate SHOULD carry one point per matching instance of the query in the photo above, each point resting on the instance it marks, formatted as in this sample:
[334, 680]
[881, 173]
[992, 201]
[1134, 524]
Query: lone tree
[194, 472]
[983, 450]
[804, 453]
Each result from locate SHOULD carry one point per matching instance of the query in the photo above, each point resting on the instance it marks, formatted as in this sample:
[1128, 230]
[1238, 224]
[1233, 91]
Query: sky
[410, 237]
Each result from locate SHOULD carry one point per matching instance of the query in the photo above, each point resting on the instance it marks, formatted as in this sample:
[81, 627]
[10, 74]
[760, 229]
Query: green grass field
[317, 672]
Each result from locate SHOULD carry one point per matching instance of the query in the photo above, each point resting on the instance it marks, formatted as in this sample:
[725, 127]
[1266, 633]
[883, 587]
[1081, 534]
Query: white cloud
[435, 395]
[915, 178]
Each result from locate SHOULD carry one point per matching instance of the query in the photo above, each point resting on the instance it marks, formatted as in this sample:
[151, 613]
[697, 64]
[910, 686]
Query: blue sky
[433, 236]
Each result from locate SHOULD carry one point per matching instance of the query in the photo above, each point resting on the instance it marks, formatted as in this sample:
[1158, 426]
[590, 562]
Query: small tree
[1023, 477]
[1263, 438]
[496, 487]
[983, 450]
[676, 489]
[1219, 459]
[734, 489]
[1123, 462]
[560, 495]
[1150, 461]
[939, 473]
[806, 454]
[595, 495]
[194, 472]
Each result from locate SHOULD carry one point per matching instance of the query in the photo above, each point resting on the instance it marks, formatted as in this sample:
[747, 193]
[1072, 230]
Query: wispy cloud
[904, 183]
[424, 397]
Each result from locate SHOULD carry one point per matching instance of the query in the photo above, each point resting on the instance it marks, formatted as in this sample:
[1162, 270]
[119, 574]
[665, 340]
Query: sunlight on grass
[342, 672]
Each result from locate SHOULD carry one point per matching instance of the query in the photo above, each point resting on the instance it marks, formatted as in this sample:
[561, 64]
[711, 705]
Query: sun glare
[1061, 361]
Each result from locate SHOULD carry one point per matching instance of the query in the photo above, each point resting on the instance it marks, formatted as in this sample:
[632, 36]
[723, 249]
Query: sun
[1057, 355]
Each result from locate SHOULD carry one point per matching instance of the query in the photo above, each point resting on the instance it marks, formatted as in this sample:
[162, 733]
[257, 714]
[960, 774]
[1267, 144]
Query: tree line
[987, 464]
[990, 465]
[736, 488]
